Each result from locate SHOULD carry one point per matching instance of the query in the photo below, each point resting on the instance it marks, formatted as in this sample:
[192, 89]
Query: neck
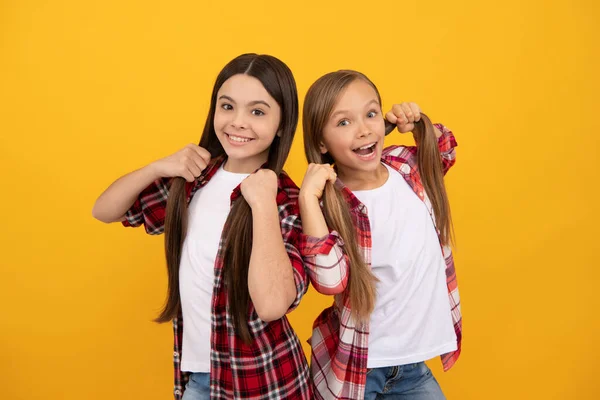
[363, 180]
[244, 165]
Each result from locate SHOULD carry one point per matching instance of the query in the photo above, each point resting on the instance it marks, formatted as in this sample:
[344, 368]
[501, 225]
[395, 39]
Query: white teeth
[238, 139]
[367, 146]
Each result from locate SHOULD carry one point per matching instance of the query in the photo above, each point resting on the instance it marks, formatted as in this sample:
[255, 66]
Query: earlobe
[323, 148]
[279, 133]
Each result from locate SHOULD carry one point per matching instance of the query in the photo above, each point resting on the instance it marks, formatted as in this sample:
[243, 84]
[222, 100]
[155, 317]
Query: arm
[322, 251]
[313, 221]
[405, 115]
[271, 281]
[447, 145]
[114, 202]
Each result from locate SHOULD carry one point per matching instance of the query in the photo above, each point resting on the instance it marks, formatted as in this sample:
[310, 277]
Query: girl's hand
[315, 179]
[404, 115]
[260, 188]
[187, 163]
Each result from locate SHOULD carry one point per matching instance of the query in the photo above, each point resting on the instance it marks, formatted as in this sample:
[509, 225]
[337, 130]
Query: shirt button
[178, 392]
[175, 354]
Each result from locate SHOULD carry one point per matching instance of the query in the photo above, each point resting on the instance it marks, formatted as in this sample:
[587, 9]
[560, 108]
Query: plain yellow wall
[92, 90]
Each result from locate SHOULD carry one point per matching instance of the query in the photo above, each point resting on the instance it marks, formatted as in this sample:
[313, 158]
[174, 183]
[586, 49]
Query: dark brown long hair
[279, 82]
[318, 105]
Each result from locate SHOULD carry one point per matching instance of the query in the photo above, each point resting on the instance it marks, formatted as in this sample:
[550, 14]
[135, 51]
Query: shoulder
[287, 199]
[288, 191]
[397, 151]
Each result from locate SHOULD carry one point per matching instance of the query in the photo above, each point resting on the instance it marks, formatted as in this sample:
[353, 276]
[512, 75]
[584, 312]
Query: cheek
[336, 145]
[219, 120]
[378, 127]
[267, 127]
[338, 140]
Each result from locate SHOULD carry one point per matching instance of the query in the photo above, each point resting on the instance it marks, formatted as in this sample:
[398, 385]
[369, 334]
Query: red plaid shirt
[273, 366]
[340, 347]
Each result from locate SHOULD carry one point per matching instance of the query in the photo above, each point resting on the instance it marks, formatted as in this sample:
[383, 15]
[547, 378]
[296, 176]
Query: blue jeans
[198, 387]
[404, 382]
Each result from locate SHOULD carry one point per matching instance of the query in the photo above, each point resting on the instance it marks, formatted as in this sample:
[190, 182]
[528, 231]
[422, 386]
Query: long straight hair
[318, 105]
[279, 82]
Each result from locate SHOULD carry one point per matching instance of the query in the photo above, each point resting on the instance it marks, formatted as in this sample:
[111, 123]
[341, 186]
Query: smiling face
[354, 132]
[246, 121]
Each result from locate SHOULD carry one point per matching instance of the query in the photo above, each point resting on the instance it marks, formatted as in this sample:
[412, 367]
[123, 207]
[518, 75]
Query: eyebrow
[345, 111]
[252, 103]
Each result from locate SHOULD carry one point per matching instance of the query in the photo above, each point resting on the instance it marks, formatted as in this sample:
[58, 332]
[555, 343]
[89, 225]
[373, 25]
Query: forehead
[356, 95]
[245, 88]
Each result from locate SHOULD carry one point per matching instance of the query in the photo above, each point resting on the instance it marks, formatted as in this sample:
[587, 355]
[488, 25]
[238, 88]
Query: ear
[279, 133]
[323, 148]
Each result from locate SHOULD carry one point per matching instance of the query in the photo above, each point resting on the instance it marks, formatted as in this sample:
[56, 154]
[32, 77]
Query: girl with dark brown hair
[230, 217]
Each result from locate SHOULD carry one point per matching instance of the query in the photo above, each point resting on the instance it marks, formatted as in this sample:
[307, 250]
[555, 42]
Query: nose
[363, 130]
[238, 121]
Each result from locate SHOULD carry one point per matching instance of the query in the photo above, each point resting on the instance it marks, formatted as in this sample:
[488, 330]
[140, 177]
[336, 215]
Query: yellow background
[92, 90]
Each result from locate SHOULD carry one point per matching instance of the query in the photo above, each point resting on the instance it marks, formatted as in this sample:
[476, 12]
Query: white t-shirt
[207, 214]
[412, 320]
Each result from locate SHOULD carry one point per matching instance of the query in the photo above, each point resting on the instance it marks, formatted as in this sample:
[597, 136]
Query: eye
[226, 106]
[372, 114]
[258, 112]
[343, 122]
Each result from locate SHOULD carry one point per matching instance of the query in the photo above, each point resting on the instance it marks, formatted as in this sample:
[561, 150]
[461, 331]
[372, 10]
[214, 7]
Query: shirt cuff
[313, 246]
